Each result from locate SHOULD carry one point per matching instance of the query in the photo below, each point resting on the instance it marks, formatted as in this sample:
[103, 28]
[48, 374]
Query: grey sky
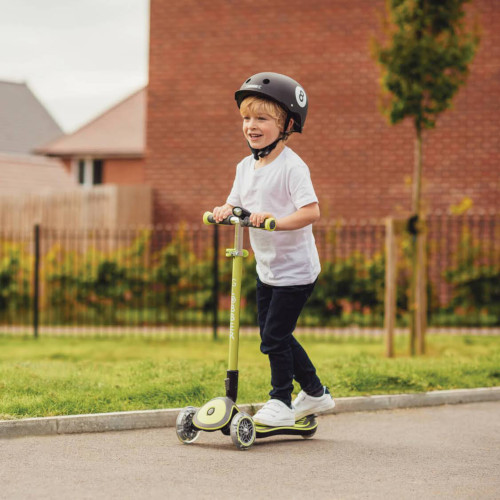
[78, 56]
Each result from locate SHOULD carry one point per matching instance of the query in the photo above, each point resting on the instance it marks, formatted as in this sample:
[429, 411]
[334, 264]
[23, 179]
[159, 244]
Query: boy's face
[260, 129]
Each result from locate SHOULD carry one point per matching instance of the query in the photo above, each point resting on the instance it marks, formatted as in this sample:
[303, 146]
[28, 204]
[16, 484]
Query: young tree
[424, 61]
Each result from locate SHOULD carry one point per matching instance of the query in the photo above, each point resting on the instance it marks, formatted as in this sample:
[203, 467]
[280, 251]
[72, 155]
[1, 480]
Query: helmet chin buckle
[263, 152]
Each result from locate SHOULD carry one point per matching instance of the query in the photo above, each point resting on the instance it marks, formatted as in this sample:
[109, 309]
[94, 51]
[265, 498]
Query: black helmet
[281, 89]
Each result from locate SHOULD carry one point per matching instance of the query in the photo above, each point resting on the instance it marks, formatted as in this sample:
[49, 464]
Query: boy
[275, 182]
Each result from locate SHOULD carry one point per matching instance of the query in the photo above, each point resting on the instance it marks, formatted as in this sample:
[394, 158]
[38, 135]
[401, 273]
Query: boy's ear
[290, 125]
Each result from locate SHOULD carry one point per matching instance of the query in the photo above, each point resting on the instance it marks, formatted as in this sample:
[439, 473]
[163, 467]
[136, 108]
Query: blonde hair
[254, 105]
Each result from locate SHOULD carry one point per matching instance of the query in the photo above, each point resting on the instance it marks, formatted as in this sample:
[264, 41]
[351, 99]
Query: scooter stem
[237, 253]
[239, 220]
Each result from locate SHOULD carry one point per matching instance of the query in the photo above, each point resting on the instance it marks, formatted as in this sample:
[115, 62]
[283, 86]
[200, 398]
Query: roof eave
[93, 153]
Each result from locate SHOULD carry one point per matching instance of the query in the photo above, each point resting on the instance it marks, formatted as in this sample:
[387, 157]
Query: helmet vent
[248, 80]
[266, 81]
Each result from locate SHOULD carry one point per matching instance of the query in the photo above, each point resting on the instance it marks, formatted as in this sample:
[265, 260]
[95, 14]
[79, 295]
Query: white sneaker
[275, 413]
[309, 405]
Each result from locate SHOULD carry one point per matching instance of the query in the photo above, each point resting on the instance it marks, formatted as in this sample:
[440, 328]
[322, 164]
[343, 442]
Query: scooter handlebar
[231, 220]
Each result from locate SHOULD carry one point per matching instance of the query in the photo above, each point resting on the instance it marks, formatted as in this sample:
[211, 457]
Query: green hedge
[14, 281]
[138, 284]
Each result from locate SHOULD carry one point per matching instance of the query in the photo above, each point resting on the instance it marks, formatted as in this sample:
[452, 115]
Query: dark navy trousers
[279, 308]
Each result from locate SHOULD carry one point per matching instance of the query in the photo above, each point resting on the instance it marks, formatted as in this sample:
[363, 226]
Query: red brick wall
[201, 52]
[123, 171]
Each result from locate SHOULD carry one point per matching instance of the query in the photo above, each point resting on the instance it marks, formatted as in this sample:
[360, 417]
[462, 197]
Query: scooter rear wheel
[186, 432]
[309, 435]
[242, 431]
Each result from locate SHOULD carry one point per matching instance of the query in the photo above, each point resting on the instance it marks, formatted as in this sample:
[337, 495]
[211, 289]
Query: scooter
[221, 413]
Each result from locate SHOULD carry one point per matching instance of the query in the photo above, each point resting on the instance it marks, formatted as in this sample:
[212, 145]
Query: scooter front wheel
[242, 431]
[186, 431]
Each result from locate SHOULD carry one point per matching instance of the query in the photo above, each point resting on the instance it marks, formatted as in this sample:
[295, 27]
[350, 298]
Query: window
[97, 172]
[88, 171]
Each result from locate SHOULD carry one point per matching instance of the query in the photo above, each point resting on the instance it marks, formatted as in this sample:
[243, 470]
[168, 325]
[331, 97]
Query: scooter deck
[306, 426]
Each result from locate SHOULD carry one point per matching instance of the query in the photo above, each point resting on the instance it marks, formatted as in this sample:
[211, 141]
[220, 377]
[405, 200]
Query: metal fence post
[216, 282]
[36, 281]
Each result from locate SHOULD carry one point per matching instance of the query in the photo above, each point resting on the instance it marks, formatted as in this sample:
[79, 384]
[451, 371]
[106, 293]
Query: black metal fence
[177, 277]
[463, 267]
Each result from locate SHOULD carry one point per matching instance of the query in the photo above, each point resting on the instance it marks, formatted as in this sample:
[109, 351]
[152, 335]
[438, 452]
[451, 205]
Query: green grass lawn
[65, 376]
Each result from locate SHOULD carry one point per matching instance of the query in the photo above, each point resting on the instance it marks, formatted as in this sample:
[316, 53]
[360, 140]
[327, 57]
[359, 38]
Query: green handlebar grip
[270, 224]
[208, 218]
[244, 216]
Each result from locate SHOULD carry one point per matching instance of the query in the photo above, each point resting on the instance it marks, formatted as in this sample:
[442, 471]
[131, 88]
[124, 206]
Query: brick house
[105, 157]
[200, 53]
[108, 149]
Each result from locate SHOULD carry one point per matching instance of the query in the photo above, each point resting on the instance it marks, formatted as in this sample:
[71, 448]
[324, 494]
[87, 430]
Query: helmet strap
[263, 152]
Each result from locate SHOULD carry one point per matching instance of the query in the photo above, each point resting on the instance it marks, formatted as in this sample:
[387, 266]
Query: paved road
[440, 452]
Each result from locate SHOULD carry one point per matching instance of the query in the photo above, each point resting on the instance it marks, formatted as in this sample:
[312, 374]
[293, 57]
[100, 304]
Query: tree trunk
[421, 316]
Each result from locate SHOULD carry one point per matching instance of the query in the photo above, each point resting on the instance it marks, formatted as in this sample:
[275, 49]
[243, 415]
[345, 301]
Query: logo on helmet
[252, 86]
[300, 96]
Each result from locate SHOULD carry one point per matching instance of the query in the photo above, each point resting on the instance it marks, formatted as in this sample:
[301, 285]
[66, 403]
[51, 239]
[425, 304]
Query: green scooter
[221, 413]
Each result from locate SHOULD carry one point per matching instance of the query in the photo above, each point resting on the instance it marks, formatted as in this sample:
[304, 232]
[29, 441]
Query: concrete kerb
[148, 419]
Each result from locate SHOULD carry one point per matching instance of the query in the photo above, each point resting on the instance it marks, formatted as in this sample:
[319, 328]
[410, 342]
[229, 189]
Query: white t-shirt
[284, 258]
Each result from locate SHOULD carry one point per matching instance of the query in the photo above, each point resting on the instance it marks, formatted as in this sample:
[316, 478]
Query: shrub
[14, 281]
[475, 280]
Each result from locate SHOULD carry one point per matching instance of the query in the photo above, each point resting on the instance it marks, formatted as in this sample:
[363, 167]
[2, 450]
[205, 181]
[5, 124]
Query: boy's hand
[258, 218]
[220, 213]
